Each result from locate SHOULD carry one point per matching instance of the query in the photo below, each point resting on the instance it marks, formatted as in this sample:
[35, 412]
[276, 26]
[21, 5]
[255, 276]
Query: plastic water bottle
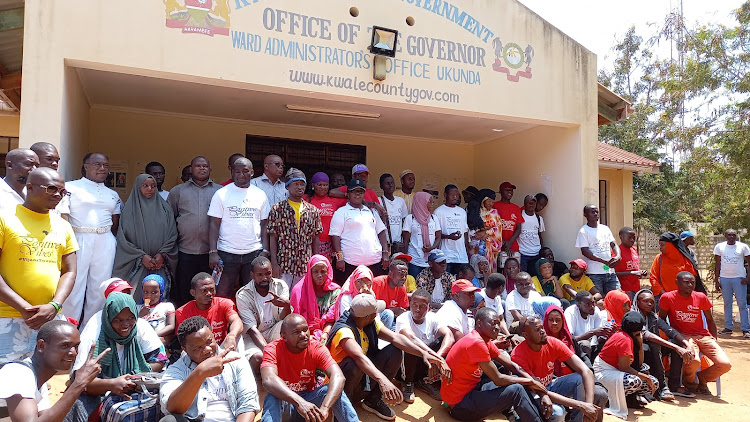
[216, 274]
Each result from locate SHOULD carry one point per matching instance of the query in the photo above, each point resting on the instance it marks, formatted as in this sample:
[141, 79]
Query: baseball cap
[114, 285]
[405, 172]
[462, 285]
[365, 304]
[472, 189]
[402, 256]
[359, 168]
[437, 255]
[505, 185]
[355, 184]
[687, 233]
[581, 263]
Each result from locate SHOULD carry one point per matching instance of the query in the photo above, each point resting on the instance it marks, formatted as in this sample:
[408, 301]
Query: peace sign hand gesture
[278, 301]
[213, 366]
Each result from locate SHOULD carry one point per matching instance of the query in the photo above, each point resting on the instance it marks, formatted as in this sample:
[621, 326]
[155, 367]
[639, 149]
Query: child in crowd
[158, 313]
[629, 269]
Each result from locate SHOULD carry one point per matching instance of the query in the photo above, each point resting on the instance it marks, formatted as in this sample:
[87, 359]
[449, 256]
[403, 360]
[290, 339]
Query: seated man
[288, 371]
[262, 304]
[470, 397]
[684, 307]
[491, 297]
[424, 329]
[518, 304]
[220, 312]
[577, 281]
[453, 313]
[206, 379]
[466, 272]
[586, 324]
[390, 288]
[436, 279]
[537, 355]
[26, 393]
[353, 343]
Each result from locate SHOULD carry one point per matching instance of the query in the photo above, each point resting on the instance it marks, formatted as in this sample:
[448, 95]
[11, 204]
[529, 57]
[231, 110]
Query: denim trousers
[480, 403]
[605, 282]
[273, 407]
[733, 288]
[238, 271]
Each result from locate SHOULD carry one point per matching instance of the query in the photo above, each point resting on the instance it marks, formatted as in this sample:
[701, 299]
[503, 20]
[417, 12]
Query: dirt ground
[730, 407]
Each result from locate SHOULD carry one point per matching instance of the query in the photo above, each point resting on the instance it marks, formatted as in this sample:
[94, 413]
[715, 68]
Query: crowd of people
[332, 298]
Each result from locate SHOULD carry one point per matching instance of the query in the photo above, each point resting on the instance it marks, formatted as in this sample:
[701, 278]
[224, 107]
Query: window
[603, 202]
[7, 143]
[308, 156]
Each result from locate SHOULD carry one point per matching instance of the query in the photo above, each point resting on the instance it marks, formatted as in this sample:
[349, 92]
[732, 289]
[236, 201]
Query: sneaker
[408, 392]
[379, 409]
[432, 389]
[746, 334]
[725, 332]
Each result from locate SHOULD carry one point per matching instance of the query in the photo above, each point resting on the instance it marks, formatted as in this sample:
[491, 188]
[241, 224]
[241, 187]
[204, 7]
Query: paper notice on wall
[117, 179]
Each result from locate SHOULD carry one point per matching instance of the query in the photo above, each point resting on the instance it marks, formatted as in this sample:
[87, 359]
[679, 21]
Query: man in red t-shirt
[288, 372]
[629, 269]
[473, 356]
[390, 288]
[226, 324]
[684, 307]
[537, 356]
[512, 218]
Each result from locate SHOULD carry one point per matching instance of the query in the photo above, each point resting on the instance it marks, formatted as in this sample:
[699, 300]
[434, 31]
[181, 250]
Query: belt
[97, 230]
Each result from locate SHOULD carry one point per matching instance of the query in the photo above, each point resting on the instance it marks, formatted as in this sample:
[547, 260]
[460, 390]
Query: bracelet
[339, 255]
[212, 251]
[55, 305]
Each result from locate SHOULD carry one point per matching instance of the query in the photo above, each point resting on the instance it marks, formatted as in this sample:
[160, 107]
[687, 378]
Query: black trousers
[652, 355]
[188, 265]
[341, 276]
[387, 360]
[414, 367]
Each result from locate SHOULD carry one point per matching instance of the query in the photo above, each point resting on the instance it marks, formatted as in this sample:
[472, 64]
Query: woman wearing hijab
[360, 281]
[555, 326]
[147, 237]
[546, 284]
[421, 232]
[614, 367]
[674, 258]
[487, 225]
[481, 270]
[676, 347]
[616, 303]
[326, 206]
[314, 295]
[510, 271]
[135, 346]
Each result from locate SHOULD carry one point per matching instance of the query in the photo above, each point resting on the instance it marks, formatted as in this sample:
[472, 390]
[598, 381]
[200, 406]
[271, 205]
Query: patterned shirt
[426, 281]
[294, 243]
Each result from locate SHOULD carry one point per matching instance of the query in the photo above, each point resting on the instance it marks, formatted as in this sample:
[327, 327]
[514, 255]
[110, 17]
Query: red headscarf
[614, 302]
[421, 211]
[349, 288]
[563, 335]
[303, 299]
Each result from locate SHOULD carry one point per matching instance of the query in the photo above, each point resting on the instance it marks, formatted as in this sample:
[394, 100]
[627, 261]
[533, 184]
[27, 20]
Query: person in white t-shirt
[156, 170]
[491, 297]
[425, 330]
[454, 229]
[600, 251]
[417, 225]
[238, 229]
[731, 278]
[519, 303]
[585, 323]
[395, 208]
[18, 164]
[25, 392]
[530, 240]
[453, 314]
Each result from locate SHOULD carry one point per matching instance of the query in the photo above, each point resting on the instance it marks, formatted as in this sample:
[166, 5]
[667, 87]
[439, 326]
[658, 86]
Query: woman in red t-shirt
[326, 206]
[556, 326]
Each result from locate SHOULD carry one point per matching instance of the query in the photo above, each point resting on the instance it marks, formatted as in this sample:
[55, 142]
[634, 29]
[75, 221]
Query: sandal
[683, 392]
[665, 395]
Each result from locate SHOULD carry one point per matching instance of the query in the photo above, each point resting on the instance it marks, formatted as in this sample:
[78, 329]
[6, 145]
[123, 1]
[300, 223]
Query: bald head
[295, 332]
[19, 154]
[18, 163]
[44, 175]
[47, 153]
[291, 321]
[44, 190]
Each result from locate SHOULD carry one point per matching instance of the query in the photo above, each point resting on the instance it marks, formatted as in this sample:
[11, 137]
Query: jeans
[414, 367]
[273, 407]
[388, 318]
[652, 356]
[341, 276]
[188, 265]
[387, 360]
[529, 259]
[605, 282]
[238, 271]
[569, 386]
[480, 403]
[734, 287]
[414, 270]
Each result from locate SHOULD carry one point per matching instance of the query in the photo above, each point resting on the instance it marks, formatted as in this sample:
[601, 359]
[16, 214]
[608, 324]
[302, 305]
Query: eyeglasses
[53, 190]
[99, 165]
[279, 165]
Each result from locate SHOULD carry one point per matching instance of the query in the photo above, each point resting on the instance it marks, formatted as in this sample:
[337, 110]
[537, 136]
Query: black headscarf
[473, 214]
[633, 322]
[674, 239]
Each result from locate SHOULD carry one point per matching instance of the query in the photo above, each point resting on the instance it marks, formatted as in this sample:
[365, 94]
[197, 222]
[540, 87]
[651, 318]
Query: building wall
[620, 184]
[9, 125]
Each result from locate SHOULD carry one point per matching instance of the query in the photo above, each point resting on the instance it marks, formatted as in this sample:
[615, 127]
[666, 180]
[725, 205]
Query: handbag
[142, 407]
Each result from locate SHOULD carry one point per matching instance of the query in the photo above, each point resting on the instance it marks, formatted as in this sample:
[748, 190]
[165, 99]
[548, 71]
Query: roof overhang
[612, 107]
[611, 157]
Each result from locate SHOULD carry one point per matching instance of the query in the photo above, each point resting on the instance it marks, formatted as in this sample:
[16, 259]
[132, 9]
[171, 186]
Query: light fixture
[383, 45]
[498, 130]
[331, 112]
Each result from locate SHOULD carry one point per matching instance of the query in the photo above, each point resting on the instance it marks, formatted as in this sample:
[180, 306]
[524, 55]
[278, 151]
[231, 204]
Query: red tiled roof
[612, 154]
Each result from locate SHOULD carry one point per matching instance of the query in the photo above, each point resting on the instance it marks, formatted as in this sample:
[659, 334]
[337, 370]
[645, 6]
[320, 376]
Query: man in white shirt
[453, 313]
[396, 209]
[270, 181]
[426, 331]
[156, 170]
[491, 295]
[18, 164]
[600, 251]
[731, 279]
[530, 240]
[238, 231]
[454, 229]
[94, 212]
[518, 304]
[585, 323]
[358, 235]
[48, 155]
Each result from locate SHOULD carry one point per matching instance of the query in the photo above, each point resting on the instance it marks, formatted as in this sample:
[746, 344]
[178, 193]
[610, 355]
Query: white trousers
[95, 259]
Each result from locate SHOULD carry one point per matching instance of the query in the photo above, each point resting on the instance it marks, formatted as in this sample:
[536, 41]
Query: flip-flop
[683, 392]
[666, 395]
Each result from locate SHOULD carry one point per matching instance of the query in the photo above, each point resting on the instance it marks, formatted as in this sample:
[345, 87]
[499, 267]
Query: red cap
[581, 263]
[401, 256]
[462, 285]
[117, 286]
[507, 185]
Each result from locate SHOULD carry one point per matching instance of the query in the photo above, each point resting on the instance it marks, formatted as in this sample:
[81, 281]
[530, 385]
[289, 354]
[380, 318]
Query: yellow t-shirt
[584, 283]
[411, 284]
[31, 249]
[295, 206]
[337, 351]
